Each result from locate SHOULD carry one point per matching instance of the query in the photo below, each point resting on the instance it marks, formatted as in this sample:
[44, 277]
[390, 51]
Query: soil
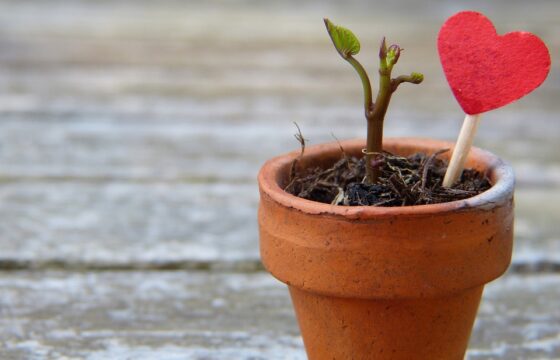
[413, 180]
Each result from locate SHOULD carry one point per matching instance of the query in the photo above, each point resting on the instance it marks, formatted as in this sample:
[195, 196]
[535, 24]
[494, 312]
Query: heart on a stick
[485, 70]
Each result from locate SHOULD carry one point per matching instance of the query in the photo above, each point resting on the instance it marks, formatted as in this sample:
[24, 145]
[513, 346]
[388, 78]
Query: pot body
[385, 283]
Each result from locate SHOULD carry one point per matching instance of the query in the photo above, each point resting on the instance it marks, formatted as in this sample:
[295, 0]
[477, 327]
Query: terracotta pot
[385, 283]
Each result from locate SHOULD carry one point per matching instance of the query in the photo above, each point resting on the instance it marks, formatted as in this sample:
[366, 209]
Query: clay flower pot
[385, 283]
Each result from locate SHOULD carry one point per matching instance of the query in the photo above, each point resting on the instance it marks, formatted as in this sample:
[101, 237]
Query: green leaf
[345, 42]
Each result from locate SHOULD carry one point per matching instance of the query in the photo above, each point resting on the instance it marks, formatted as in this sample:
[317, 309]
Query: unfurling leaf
[345, 42]
[383, 50]
[393, 54]
[417, 78]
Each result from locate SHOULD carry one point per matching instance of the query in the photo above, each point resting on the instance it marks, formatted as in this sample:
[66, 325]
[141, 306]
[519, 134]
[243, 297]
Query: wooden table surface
[131, 133]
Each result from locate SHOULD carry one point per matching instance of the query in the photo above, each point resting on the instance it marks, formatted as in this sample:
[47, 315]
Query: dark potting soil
[403, 181]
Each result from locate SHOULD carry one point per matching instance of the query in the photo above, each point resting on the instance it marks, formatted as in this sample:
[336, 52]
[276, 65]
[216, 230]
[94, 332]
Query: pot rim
[496, 195]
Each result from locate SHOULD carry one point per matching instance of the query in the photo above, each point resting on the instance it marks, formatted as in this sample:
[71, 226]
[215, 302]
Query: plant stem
[374, 132]
[383, 96]
[376, 116]
[368, 95]
[374, 145]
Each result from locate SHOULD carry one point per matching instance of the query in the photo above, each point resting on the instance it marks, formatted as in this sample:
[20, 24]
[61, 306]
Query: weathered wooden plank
[516, 308]
[120, 224]
[124, 223]
[204, 50]
[196, 315]
[232, 147]
[537, 235]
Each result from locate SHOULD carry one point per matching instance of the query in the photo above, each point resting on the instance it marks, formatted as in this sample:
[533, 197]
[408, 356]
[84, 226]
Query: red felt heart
[486, 70]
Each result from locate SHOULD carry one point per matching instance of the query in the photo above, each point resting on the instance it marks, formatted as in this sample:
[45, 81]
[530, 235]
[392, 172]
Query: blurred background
[131, 133]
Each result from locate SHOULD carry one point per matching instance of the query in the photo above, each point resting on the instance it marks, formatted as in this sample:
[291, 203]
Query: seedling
[472, 54]
[348, 45]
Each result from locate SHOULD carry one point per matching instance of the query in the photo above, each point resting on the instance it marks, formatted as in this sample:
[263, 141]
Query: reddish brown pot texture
[385, 283]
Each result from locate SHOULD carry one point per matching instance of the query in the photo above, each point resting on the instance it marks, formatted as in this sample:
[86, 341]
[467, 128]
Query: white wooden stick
[461, 150]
